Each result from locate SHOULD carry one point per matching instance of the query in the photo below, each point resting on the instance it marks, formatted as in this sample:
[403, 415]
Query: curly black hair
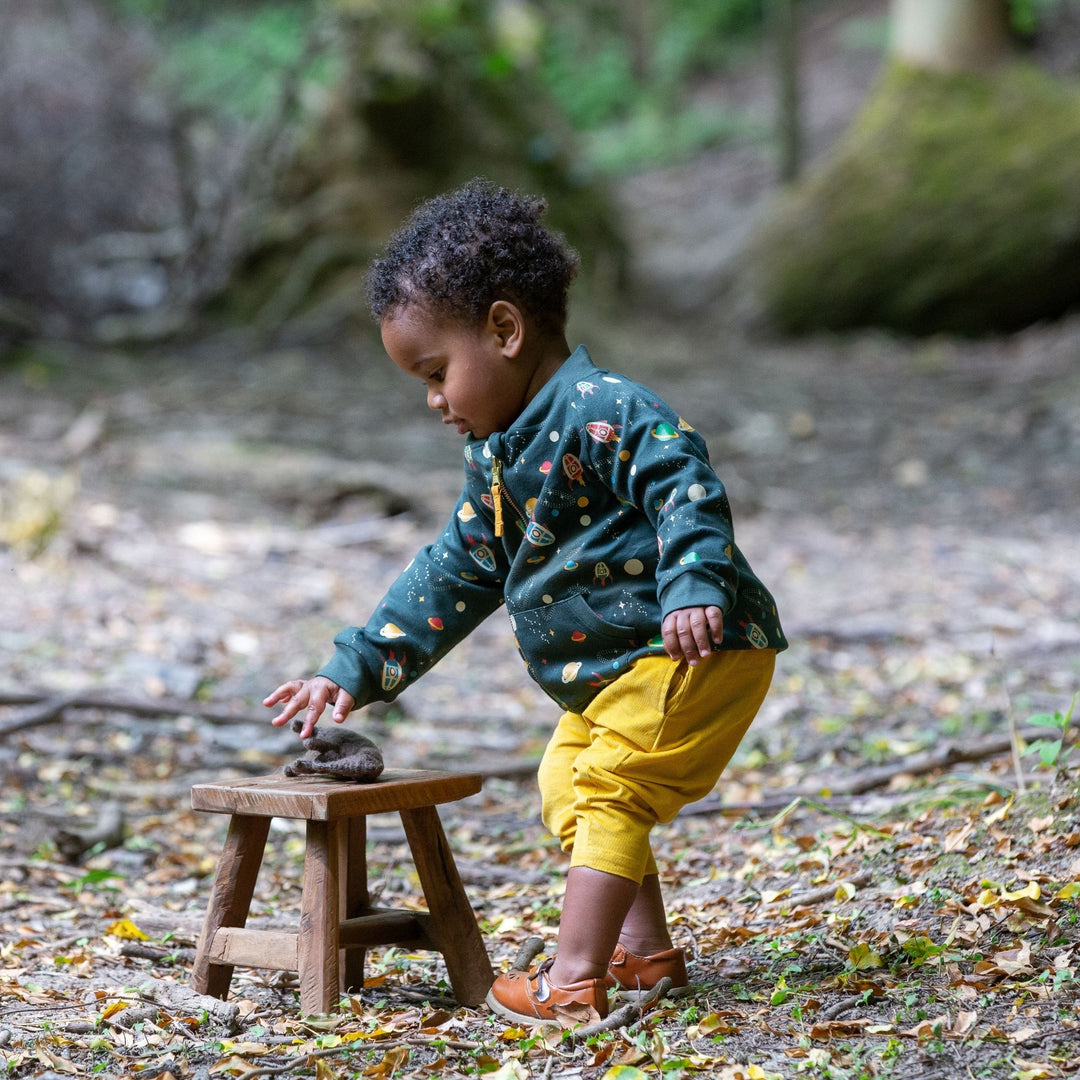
[460, 252]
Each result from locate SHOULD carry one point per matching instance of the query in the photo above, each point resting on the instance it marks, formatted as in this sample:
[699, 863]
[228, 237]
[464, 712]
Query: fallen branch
[827, 892]
[107, 832]
[865, 780]
[139, 950]
[42, 711]
[528, 952]
[624, 1015]
[52, 707]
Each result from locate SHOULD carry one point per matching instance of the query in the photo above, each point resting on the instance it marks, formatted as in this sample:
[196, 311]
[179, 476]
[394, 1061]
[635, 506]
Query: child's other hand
[314, 695]
[690, 633]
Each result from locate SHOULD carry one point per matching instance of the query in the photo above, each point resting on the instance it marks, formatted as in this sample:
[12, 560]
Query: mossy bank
[952, 205]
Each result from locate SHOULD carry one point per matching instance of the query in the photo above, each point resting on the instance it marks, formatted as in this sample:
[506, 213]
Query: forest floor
[882, 884]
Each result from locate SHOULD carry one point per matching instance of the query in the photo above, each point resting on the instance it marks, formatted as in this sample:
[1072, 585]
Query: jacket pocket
[570, 650]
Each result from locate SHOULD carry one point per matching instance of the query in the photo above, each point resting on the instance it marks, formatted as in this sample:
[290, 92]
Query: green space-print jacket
[592, 518]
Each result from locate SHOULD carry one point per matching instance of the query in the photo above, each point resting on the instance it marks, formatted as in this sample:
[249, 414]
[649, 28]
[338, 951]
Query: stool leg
[317, 948]
[452, 918]
[234, 884]
[354, 895]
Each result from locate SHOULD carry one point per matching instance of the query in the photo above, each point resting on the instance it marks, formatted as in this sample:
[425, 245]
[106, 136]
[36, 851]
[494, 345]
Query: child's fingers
[285, 690]
[669, 630]
[680, 638]
[319, 695]
[694, 635]
[295, 696]
[715, 618]
[690, 633]
[344, 704]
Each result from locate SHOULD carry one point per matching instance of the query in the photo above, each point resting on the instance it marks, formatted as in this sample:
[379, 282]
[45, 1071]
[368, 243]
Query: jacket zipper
[498, 492]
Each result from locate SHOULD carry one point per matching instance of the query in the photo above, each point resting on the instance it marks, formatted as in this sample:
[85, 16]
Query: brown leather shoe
[529, 997]
[628, 971]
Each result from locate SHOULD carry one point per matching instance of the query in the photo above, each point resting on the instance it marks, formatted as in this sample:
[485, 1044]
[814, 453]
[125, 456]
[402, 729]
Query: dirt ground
[196, 524]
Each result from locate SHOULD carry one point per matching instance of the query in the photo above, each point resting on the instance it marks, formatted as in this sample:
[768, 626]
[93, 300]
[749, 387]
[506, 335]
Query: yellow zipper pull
[496, 494]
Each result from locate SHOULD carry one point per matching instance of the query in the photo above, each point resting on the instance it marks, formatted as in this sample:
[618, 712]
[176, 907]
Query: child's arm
[690, 633]
[449, 587]
[314, 695]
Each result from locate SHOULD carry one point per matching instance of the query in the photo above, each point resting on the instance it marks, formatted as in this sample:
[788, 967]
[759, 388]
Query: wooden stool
[337, 922]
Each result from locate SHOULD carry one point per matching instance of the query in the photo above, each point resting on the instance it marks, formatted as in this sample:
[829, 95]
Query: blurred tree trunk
[639, 18]
[785, 35]
[950, 35]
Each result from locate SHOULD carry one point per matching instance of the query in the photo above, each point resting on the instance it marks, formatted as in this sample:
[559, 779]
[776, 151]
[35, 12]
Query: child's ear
[507, 324]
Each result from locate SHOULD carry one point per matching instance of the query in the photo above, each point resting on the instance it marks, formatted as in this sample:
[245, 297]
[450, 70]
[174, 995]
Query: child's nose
[436, 400]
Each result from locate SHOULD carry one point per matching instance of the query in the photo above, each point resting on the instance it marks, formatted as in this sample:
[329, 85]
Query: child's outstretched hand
[314, 695]
[690, 633]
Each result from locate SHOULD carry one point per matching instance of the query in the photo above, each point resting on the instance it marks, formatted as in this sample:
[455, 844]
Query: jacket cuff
[691, 590]
[345, 669]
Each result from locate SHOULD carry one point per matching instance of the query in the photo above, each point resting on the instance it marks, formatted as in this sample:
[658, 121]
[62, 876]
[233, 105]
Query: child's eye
[436, 376]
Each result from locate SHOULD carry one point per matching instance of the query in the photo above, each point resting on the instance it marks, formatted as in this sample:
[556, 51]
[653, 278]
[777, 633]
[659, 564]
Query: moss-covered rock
[953, 204]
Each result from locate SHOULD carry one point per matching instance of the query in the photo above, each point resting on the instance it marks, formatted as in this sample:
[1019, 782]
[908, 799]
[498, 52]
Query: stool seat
[337, 922]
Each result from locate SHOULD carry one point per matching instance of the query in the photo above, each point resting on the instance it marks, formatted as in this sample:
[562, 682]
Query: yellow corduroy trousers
[648, 744]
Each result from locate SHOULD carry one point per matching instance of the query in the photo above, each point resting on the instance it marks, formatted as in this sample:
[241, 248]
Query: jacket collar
[577, 366]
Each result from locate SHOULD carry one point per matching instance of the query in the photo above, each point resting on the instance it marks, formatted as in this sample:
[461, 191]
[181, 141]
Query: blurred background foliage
[612, 67]
[163, 162]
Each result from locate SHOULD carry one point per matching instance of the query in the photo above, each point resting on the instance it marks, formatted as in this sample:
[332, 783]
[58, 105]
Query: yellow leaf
[845, 891]
[1068, 892]
[511, 1070]
[126, 929]
[395, 1058]
[1001, 813]
[231, 1064]
[114, 1008]
[770, 896]
[1030, 891]
[323, 1070]
[756, 1072]
[715, 1024]
[625, 1072]
[862, 958]
[1022, 1035]
[55, 1062]
[513, 1034]
[252, 1048]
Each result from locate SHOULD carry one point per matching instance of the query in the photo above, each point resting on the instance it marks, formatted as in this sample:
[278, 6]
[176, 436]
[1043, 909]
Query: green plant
[623, 80]
[1025, 13]
[1053, 753]
[101, 879]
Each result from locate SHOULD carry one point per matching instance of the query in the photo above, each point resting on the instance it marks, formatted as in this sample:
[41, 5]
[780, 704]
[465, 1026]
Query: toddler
[591, 510]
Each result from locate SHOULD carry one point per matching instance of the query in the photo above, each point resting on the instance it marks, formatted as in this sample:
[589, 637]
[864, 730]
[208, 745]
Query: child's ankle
[568, 970]
[646, 946]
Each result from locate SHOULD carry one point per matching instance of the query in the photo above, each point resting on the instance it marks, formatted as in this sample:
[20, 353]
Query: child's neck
[550, 355]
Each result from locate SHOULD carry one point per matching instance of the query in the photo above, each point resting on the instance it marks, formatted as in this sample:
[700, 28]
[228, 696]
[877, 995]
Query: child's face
[475, 375]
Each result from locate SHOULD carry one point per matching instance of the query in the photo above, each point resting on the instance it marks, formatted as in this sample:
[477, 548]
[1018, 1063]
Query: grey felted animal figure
[339, 752]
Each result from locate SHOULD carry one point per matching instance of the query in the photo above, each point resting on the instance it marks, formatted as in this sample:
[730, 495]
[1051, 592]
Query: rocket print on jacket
[592, 517]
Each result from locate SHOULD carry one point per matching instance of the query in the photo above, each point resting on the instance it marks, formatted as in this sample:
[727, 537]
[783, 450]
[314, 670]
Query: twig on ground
[625, 1014]
[528, 952]
[865, 780]
[138, 950]
[827, 892]
[42, 711]
[107, 832]
[52, 707]
[838, 1008]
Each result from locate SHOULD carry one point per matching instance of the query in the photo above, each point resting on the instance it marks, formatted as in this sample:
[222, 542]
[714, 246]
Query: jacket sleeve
[661, 465]
[447, 590]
